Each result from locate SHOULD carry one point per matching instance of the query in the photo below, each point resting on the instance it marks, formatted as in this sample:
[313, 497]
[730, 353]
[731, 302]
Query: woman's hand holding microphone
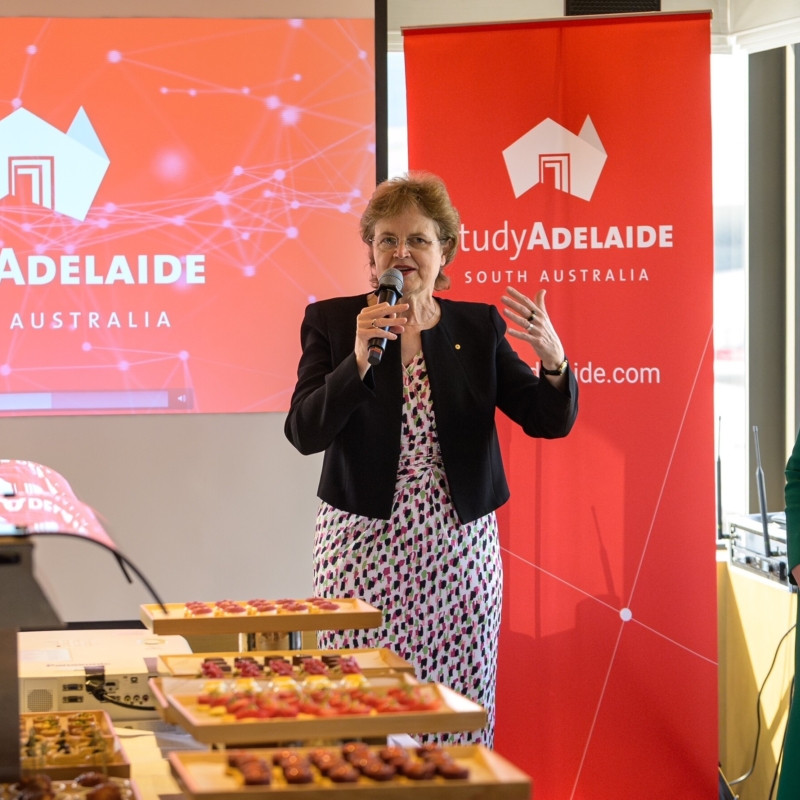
[370, 325]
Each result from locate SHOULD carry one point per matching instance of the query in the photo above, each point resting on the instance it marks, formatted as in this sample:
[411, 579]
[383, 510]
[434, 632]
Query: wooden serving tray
[373, 663]
[351, 614]
[115, 765]
[202, 776]
[457, 713]
[158, 693]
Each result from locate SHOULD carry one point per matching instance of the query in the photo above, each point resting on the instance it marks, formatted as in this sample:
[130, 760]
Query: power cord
[758, 710]
[95, 685]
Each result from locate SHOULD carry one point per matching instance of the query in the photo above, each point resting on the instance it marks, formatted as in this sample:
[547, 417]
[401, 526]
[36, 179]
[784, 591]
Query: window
[398, 129]
[729, 159]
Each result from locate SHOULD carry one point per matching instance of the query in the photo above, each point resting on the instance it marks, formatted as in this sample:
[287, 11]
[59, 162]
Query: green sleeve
[793, 506]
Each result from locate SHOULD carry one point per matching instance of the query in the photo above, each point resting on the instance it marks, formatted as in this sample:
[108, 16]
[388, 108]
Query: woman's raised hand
[537, 330]
[370, 324]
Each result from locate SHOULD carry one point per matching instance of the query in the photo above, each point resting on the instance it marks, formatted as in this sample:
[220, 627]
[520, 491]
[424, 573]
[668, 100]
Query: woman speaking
[412, 473]
[789, 786]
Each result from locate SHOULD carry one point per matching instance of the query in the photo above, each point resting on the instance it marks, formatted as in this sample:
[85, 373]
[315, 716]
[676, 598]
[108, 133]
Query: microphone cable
[758, 710]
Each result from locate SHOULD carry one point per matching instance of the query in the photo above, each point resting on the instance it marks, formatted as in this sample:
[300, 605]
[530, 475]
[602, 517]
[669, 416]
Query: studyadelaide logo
[62, 173]
[65, 170]
[550, 158]
[575, 162]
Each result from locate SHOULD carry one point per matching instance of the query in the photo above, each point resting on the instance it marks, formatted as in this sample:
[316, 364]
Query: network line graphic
[608, 604]
[241, 154]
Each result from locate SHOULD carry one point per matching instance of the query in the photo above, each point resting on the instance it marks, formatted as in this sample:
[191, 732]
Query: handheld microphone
[390, 290]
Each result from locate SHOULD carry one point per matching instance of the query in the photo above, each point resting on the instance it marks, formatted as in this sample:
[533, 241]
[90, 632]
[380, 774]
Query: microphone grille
[392, 279]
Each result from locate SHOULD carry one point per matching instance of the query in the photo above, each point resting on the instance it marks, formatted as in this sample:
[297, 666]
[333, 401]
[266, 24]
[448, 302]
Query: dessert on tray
[221, 608]
[299, 667]
[64, 744]
[260, 615]
[316, 696]
[345, 764]
[87, 785]
[309, 705]
[256, 663]
[350, 771]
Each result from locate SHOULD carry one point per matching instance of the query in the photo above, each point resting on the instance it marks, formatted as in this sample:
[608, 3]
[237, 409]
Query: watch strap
[559, 370]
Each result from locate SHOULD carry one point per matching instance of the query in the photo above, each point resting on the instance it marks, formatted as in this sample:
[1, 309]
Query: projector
[88, 670]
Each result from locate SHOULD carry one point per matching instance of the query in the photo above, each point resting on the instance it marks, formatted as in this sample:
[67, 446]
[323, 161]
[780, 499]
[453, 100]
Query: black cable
[758, 710]
[122, 561]
[122, 567]
[98, 691]
[142, 578]
[783, 744]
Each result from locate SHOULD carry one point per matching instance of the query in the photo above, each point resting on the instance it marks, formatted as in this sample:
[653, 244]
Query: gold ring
[533, 314]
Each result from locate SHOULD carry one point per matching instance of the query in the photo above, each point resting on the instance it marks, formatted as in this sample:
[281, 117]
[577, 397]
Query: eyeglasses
[388, 244]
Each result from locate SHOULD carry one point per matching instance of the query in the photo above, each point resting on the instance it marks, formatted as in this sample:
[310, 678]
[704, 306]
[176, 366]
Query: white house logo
[63, 171]
[549, 152]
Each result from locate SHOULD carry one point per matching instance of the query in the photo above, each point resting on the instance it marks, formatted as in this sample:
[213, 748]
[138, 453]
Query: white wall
[207, 506]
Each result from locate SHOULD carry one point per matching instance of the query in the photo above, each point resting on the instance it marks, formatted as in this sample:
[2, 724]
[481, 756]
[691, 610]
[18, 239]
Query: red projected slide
[173, 192]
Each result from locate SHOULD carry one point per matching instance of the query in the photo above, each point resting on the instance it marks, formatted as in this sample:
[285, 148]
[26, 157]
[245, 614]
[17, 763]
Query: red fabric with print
[607, 681]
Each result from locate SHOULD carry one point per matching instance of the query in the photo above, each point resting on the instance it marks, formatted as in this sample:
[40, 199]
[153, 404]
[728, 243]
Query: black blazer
[472, 370]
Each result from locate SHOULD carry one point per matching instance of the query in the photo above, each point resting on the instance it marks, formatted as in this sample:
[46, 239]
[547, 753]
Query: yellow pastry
[246, 685]
[284, 682]
[317, 682]
[354, 681]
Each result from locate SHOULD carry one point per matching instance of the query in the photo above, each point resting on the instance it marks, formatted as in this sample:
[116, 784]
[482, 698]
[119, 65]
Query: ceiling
[751, 25]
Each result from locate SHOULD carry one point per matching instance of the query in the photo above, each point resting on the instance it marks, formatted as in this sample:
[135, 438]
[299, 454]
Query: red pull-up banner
[578, 153]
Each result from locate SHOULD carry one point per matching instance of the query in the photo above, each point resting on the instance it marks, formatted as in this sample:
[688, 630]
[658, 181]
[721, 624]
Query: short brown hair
[414, 191]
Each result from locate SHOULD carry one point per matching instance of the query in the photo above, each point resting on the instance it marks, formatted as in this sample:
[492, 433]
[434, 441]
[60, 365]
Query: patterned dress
[438, 582]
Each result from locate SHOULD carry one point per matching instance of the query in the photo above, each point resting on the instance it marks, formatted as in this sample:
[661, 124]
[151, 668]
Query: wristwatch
[559, 370]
